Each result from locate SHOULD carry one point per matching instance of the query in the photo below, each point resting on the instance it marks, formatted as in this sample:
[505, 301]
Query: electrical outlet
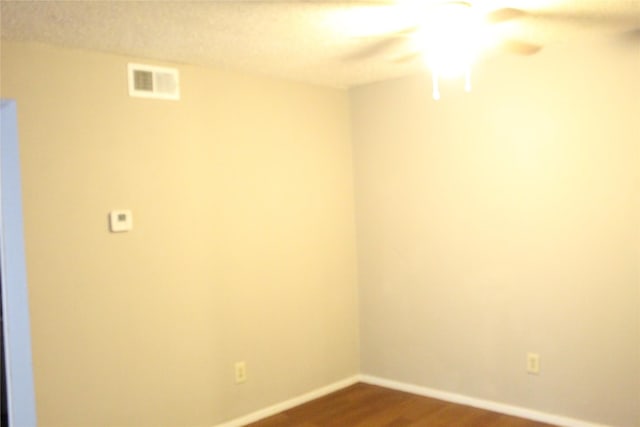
[533, 363]
[241, 372]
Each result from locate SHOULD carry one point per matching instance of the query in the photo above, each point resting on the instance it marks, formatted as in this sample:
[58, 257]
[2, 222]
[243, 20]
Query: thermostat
[120, 221]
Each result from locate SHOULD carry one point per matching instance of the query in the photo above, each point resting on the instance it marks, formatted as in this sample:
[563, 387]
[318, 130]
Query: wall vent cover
[149, 81]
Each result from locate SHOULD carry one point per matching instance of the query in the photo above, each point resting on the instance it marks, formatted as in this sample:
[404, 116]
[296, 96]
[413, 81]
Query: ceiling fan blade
[519, 47]
[631, 36]
[407, 59]
[387, 43]
[505, 14]
[590, 18]
[378, 48]
[584, 18]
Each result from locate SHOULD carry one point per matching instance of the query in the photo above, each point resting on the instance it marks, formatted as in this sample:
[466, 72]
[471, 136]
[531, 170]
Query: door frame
[15, 298]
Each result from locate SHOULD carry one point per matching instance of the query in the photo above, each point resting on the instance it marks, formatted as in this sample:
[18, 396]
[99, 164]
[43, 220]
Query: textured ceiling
[312, 41]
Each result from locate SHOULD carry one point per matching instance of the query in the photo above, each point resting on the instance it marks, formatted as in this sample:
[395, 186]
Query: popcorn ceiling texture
[310, 41]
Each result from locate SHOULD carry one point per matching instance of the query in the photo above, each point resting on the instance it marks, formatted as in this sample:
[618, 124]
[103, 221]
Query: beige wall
[505, 221]
[243, 245]
[489, 225]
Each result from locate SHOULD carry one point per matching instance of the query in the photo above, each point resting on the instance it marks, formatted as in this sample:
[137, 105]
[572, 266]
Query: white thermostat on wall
[121, 220]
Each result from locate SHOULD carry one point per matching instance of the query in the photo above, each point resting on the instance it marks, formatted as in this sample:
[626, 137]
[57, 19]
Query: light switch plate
[120, 220]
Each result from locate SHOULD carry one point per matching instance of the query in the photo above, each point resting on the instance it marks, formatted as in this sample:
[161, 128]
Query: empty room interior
[306, 216]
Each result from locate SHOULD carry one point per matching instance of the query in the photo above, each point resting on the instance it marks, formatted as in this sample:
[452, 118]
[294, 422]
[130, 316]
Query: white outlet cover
[533, 363]
[241, 372]
[120, 220]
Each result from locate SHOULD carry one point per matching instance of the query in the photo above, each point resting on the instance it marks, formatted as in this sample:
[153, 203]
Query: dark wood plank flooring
[364, 405]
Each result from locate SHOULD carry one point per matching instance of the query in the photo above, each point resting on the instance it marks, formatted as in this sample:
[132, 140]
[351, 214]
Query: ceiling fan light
[451, 39]
[436, 86]
[436, 89]
[448, 61]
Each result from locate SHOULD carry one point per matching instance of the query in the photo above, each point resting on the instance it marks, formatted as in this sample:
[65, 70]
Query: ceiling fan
[451, 34]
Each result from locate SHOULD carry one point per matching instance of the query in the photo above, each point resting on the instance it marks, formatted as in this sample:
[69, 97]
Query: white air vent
[148, 81]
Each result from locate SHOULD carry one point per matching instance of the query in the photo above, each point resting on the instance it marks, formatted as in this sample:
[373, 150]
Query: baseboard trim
[460, 399]
[291, 403]
[478, 403]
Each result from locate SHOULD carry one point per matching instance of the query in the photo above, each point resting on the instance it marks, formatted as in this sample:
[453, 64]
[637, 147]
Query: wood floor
[364, 405]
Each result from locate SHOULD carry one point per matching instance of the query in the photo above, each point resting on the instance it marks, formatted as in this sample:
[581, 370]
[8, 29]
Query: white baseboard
[488, 405]
[478, 403]
[288, 404]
